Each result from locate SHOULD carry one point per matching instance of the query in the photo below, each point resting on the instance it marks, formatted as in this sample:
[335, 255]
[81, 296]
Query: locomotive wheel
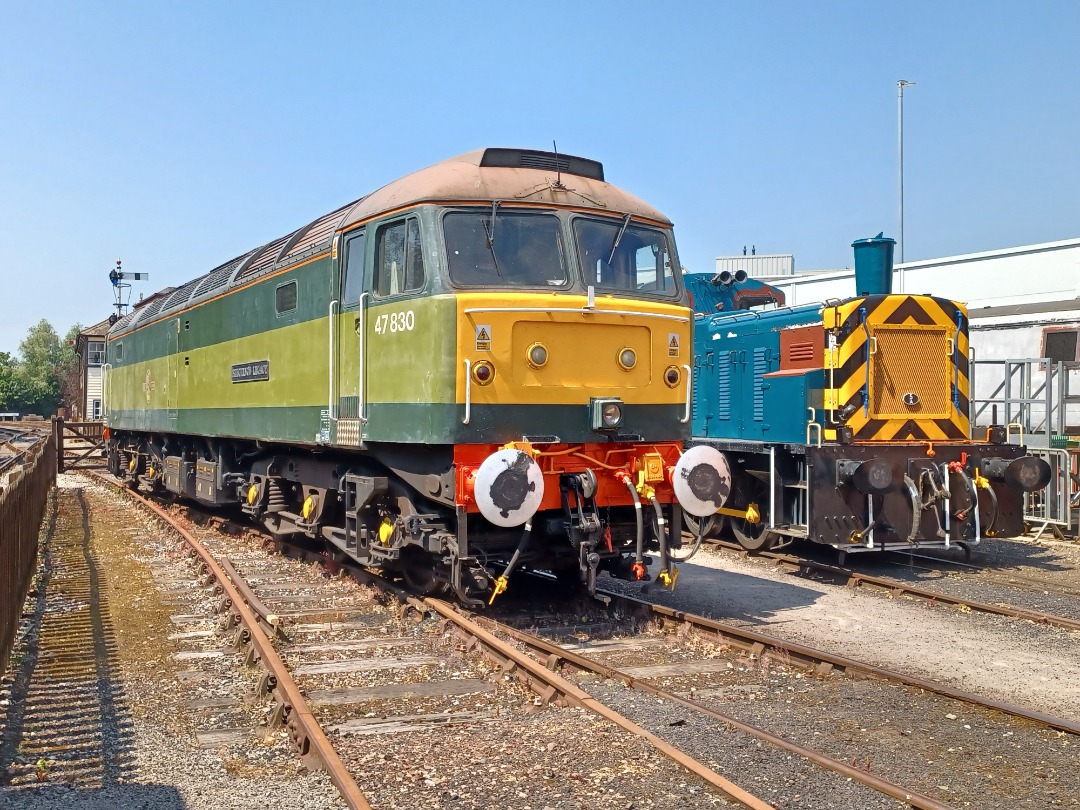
[755, 537]
[418, 573]
[713, 524]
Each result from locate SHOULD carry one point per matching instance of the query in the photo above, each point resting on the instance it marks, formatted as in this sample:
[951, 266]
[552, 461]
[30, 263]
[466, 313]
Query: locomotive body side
[432, 379]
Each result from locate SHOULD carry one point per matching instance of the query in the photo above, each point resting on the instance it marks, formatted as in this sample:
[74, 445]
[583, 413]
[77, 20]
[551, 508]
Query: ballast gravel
[1008, 659]
[161, 766]
[564, 759]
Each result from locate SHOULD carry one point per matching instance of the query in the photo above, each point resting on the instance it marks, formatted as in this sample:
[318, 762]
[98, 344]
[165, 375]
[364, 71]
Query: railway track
[897, 587]
[14, 444]
[309, 640]
[973, 572]
[687, 681]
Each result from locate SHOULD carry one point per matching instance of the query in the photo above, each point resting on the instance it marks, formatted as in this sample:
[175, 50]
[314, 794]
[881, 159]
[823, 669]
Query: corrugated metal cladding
[770, 264]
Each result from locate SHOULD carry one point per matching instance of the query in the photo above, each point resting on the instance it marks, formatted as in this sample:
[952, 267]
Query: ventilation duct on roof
[534, 159]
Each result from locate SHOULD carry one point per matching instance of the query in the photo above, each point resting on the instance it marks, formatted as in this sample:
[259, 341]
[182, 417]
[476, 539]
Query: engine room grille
[910, 373]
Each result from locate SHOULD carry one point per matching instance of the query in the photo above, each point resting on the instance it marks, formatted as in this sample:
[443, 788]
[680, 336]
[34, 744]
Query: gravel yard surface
[168, 651]
[155, 761]
[778, 777]
[156, 646]
[1008, 659]
[959, 754]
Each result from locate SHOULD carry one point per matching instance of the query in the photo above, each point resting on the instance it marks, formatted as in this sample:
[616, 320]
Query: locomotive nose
[702, 480]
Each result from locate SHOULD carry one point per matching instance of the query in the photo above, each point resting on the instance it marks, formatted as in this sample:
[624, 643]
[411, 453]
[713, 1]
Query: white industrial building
[1023, 302]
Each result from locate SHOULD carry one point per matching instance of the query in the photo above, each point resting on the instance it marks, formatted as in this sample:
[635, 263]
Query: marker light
[537, 356]
[483, 372]
[627, 359]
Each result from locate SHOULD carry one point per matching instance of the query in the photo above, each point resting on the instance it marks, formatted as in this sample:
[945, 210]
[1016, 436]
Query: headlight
[672, 376]
[605, 413]
[537, 356]
[627, 359]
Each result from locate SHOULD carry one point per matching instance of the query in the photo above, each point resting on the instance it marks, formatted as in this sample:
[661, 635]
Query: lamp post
[900, 85]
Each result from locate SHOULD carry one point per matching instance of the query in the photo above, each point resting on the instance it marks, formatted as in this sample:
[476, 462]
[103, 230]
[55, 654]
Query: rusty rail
[22, 505]
[580, 697]
[306, 733]
[582, 662]
[822, 662]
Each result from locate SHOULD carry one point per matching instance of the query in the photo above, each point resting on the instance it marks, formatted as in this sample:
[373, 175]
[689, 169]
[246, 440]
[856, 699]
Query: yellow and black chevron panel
[896, 368]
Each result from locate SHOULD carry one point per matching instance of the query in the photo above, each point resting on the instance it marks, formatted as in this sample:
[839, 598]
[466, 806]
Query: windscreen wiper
[491, 235]
[618, 238]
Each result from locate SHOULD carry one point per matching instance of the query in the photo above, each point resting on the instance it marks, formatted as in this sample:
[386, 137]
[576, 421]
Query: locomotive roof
[508, 175]
[482, 175]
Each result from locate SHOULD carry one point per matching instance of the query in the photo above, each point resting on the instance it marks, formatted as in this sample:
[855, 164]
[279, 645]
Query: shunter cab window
[630, 259]
[399, 260]
[354, 270]
[504, 249]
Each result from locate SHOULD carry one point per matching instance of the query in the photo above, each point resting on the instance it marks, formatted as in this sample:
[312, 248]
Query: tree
[13, 390]
[42, 363]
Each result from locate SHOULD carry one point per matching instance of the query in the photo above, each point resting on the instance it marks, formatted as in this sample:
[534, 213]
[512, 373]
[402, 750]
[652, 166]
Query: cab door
[348, 369]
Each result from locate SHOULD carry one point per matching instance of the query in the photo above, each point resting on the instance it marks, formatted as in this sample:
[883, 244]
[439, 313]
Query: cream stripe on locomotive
[898, 363]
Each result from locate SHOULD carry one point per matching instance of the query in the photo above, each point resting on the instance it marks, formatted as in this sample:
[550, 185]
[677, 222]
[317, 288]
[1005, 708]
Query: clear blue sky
[178, 135]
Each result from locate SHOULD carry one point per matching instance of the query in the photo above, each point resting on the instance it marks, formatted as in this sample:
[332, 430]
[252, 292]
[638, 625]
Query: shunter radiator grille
[910, 373]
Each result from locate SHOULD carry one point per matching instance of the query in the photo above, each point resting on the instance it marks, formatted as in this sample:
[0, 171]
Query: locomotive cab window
[285, 298]
[353, 284]
[496, 248]
[624, 256]
[399, 259]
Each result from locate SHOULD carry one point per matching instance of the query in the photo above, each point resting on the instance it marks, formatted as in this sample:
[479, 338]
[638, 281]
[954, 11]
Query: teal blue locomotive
[847, 423]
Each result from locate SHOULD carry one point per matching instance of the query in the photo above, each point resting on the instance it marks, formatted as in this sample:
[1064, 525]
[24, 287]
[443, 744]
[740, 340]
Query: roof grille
[219, 276]
[545, 161]
[182, 294]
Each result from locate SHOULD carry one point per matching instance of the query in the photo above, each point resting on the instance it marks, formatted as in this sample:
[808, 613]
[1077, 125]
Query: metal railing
[22, 504]
[1040, 394]
[1053, 508]
[1038, 399]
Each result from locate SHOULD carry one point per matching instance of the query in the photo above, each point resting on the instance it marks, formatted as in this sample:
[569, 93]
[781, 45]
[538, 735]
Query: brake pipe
[667, 575]
[504, 578]
[639, 550]
[697, 543]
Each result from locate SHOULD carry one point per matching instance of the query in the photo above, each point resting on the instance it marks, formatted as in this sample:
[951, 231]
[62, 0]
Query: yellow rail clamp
[500, 586]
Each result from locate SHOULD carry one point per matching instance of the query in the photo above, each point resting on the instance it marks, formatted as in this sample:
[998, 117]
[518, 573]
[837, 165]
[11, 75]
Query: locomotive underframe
[799, 492]
[385, 508]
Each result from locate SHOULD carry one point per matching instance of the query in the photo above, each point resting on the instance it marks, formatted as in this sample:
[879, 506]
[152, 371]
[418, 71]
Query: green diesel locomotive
[482, 366]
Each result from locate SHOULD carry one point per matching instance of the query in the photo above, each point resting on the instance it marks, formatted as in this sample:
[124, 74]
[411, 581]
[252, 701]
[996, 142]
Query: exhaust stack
[874, 265]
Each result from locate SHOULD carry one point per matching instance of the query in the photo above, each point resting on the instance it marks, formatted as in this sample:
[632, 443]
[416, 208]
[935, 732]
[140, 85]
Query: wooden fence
[22, 504]
[79, 445]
